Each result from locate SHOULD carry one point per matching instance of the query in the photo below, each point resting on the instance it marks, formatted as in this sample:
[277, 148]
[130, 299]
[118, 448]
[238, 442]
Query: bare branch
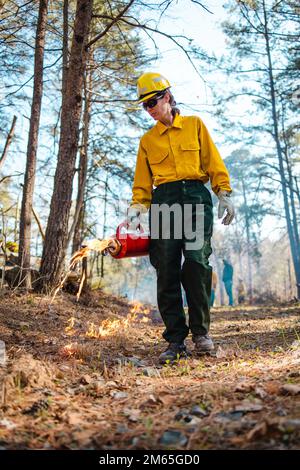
[172, 38]
[32, 76]
[121, 32]
[236, 95]
[38, 223]
[202, 6]
[8, 141]
[9, 176]
[108, 27]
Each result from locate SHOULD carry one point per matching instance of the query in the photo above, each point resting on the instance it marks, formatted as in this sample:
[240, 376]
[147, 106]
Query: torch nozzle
[113, 248]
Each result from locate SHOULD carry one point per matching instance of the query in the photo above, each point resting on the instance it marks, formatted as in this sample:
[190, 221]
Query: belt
[180, 183]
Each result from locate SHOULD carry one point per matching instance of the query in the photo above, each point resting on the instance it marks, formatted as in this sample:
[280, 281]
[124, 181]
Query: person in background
[214, 281]
[241, 291]
[227, 279]
[177, 156]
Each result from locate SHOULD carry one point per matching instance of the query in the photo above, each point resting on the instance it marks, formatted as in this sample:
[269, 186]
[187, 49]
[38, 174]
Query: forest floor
[85, 375]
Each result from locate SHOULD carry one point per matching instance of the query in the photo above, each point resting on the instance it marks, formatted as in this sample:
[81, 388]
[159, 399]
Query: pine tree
[258, 69]
[28, 188]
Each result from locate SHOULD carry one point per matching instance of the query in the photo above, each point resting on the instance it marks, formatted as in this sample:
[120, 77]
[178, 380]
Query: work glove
[133, 218]
[225, 204]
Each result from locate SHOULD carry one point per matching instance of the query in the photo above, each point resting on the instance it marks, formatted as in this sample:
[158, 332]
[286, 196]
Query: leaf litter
[85, 374]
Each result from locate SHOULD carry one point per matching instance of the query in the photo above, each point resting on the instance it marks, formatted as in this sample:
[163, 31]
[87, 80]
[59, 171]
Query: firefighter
[175, 159]
[227, 278]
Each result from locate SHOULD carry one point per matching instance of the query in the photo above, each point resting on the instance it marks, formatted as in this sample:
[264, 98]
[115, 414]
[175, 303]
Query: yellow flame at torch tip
[90, 245]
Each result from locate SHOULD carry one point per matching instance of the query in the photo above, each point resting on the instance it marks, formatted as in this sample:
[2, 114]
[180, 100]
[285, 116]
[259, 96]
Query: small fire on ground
[139, 309]
[107, 328]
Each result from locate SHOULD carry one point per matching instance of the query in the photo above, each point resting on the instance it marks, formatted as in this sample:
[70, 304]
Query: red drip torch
[126, 244]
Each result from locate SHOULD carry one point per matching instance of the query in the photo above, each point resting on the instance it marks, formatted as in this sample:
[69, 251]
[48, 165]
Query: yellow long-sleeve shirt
[183, 151]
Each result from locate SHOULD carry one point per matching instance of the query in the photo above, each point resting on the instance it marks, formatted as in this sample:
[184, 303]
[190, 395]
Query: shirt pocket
[159, 162]
[191, 146]
[190, 153]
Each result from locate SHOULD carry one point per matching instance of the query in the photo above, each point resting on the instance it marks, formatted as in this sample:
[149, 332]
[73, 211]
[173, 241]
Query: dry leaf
[223, 353]
[27, 371]
[220, 353]
[83, 437]
[118, 395]
[152, 401]
[5, 423]
[290, 389]
[85, 379]
[111, 384]
[132, 414]
[248, 406]
[98, 385]
[74, 419]
[260, 392]
[272, 388]
[167, 400]
[259, 430]
[244, 387]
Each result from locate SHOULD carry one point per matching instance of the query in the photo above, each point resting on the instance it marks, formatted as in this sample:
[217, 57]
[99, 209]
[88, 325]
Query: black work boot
[174, 352]
[203, 343]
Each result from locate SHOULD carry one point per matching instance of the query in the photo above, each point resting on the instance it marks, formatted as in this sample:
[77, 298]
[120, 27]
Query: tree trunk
[294, 248]
[57, 227]
[247, 223]
[219, 274]
[78, 228]
[292, 190]
[78, 221]
[297, 190]
[28, 188]
[104, 221]
[65, 57]
[8, 141]
[290, 287]
[16, 220]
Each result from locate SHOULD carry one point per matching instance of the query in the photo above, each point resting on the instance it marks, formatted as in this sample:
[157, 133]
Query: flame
[106, 328]
[91, 245]
[145, 320]
[138, 307]
[78, 256]
[70, 327]
[69, 349]
[109, 327]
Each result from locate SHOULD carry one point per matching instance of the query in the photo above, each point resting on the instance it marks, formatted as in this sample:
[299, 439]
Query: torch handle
[125, 225]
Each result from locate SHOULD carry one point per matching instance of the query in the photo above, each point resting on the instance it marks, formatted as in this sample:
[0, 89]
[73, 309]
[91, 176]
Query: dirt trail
[85, 376]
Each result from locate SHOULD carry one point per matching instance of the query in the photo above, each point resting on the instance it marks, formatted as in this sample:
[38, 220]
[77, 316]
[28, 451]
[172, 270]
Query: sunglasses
[152, 102]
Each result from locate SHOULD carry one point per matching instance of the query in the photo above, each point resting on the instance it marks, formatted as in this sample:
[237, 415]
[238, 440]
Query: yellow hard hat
[149, 84]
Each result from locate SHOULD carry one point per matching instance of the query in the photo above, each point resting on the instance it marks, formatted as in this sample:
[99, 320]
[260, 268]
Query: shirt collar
[177, 122]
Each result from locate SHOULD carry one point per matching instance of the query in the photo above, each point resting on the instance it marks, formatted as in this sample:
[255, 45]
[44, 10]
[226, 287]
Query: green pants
[194, 273]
